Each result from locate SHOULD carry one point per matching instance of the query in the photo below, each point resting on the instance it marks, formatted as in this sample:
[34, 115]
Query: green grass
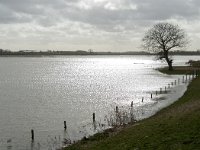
[176, 127]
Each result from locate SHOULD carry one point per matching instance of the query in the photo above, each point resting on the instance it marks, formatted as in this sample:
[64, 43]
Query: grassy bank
[180, 70]
[175, 127]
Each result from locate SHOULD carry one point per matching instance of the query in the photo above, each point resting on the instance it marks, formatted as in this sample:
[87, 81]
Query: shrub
[194, 63]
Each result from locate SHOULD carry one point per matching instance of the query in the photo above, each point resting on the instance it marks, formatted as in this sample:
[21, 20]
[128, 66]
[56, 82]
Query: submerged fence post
[93, 116]
[165, 89]
[186, 78]
[32, 135]
[117, 109]
[132, 104]
[178, 80]
[183, 79]
[175, 82]
[168, 85]
[160, 90]
[156, 93]
[142, 99]
[151, 96]
[65, 126]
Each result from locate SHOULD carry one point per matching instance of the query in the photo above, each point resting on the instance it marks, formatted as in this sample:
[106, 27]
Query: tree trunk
[170, 68]
[169, 62]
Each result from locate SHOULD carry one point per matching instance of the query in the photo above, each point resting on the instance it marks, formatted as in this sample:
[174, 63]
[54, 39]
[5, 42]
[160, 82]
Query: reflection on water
[42, 93]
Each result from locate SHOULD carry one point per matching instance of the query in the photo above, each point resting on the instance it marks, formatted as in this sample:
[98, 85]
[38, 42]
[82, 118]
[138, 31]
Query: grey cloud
[9, 16]
[50, 12]
[147, 10]
[162, 9]
[22, 6]
[25, 11]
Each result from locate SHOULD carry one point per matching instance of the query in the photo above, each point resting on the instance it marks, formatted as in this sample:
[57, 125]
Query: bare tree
[162, 38]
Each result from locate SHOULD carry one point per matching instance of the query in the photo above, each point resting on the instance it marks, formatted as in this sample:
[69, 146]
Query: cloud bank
[102, 25]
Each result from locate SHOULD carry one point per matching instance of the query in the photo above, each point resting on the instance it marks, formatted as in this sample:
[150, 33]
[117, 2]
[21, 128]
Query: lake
[41, 93]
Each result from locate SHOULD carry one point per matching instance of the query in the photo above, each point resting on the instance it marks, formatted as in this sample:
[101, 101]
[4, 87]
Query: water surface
[41, 92]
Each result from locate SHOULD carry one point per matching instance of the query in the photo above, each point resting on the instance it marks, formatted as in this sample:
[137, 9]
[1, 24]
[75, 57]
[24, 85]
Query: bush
[194, 63]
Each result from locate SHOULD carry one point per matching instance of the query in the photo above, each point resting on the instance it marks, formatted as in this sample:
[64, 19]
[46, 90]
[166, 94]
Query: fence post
[117, 109]
[193, 74]
[186, 78]
[93, 116]
[65, 125]
[32, 135]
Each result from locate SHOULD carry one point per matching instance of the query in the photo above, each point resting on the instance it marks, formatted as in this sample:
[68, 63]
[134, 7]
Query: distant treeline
[82, 52]
[185, 52]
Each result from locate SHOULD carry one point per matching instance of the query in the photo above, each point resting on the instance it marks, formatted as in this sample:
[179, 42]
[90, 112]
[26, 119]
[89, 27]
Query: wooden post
[186, 78]
[117, 109]
[156, 93]
[160, 90]
[165, 89]
[142, 99]
[65, 126]
[132, 104]
[194, 74]
[151, 96]
[183, 79]
[93, 116]
[32, 135]
[175, 82]
[178, 81]
[172, 83]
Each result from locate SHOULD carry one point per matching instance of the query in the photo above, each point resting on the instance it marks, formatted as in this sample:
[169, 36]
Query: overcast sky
[101, 25]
